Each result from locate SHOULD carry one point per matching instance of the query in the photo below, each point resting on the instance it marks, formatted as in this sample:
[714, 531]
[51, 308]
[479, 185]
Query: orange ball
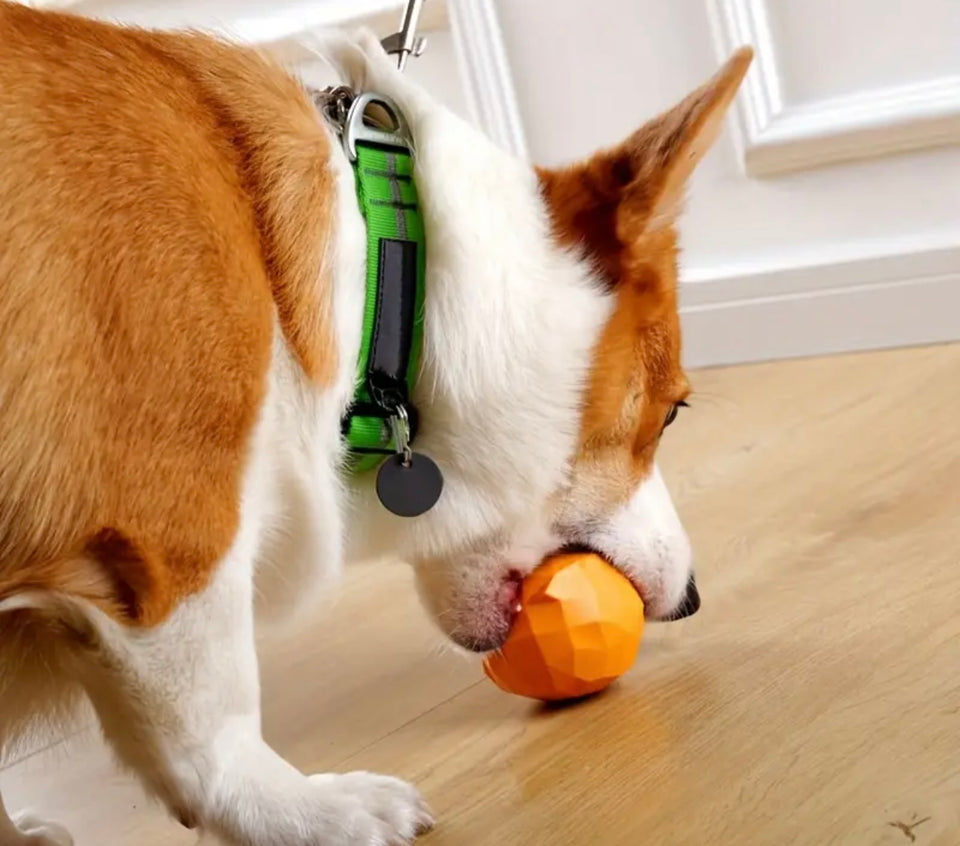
[578, 629]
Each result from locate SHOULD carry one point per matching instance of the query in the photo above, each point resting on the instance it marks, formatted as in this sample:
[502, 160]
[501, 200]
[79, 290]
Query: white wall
[828, 216]
[792, 259]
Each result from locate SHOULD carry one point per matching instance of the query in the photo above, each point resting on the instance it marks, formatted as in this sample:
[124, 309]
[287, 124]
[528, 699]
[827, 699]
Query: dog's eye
[672, 413]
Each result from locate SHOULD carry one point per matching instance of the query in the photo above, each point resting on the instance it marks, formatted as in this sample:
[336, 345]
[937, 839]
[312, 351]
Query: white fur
[510, 324]
[647, 540]
[27, 830]
[302, 548]
[181, 706]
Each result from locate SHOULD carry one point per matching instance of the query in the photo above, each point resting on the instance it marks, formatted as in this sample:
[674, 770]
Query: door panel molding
[774, 136]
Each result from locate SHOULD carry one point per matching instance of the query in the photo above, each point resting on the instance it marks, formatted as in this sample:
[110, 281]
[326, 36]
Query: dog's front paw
[377, 810]
[36, 832]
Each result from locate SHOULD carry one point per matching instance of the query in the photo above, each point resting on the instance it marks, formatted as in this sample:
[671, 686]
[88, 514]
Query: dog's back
[139, 262]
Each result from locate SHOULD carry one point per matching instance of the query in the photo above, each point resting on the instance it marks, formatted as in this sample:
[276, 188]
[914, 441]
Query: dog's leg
[26, 830]
[180, 705]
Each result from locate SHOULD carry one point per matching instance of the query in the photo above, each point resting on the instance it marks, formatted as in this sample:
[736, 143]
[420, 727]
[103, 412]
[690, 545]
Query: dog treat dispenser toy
[578, 629]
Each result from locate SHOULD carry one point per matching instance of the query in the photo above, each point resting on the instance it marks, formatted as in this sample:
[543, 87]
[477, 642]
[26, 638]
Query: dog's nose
[691, 601]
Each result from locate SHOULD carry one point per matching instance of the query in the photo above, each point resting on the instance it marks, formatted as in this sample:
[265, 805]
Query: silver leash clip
[406, 43]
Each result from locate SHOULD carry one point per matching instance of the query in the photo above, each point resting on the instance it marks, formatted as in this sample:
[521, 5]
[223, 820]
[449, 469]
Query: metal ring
[355, 129]
[400, 426]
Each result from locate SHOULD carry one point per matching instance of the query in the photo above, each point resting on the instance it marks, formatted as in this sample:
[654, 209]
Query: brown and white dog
[181, 289]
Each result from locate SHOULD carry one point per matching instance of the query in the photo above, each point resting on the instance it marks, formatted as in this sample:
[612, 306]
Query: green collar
[381, 423]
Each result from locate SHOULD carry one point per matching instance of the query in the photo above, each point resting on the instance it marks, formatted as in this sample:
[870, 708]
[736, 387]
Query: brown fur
[619, 208]
[162, 197]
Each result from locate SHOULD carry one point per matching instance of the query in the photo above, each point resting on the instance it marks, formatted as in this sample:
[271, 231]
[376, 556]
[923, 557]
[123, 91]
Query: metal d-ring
[355, 127]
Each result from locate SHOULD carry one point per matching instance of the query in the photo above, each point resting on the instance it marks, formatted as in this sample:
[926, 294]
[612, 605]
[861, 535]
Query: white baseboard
[875, 302]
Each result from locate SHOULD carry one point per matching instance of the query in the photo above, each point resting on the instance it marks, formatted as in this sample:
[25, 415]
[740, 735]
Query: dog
[182, 264]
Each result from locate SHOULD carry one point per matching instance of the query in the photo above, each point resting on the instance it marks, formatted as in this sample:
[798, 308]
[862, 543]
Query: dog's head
[550, 443]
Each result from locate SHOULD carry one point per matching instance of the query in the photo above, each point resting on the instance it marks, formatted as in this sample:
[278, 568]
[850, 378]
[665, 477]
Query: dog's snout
[690, 603]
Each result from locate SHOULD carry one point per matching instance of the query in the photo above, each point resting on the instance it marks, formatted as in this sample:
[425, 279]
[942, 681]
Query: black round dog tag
[409, 488]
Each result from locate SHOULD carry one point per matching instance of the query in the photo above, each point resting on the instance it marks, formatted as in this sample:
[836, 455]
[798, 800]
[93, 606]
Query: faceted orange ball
[578, 629]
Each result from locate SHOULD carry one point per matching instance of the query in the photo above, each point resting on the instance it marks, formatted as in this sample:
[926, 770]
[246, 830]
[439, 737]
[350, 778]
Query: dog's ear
[619, 197]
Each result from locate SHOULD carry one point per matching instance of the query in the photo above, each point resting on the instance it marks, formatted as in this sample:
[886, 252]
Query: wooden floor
[814, 700]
